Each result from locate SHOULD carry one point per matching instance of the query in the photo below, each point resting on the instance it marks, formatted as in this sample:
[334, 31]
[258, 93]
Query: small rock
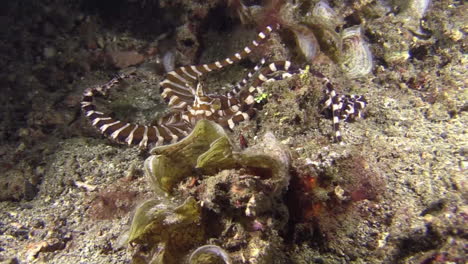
[21, 147]
[86, 186]
[38, 223]
[49, 52]
[339, 192]
[33, 249]
[124, 59]
[100, 42]
[16, 186]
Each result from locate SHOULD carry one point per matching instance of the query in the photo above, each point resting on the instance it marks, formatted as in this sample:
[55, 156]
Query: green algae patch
[219, 156]
[268, 160]
[198, 141]
[154, 220]
[172, 163]
[141, 221]
[168, 227]
[209, 149]
[246, 184]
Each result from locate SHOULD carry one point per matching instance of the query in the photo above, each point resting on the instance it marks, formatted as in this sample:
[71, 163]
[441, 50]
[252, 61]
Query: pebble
[464, 165]
[101, 42]
[124, 59]
[49, 52]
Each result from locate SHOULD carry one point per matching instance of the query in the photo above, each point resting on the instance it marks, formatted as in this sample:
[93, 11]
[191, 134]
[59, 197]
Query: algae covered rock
[231, 188]
[170, 164]
[166, 229]
[208, 148]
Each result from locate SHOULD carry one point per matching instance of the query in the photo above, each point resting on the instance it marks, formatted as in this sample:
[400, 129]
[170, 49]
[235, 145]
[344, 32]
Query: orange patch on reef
[313, 210]
[309, 183]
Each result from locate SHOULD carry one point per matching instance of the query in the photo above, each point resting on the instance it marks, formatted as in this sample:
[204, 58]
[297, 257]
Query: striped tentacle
[240, 85]
[353, 106]
[225, 110]
[211, 107]
[230, 121]
[343, 108]
[188, 102]
[229, 114]
[244, 108]
[177, 88]
[169, 129]
[247, 96]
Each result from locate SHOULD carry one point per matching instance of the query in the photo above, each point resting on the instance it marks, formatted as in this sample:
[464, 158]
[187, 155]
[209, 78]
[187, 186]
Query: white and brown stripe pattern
[189, 103]
[177, 88]
[342, 108]
[240, 85]
[169, 129]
